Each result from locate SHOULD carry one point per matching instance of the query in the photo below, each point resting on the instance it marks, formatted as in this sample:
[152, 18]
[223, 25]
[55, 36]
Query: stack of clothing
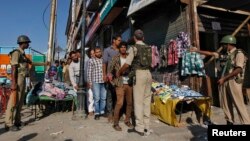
[173, 91]
[55, 90]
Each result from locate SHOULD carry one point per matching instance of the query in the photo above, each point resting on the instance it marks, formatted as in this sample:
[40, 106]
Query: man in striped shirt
[96, 82]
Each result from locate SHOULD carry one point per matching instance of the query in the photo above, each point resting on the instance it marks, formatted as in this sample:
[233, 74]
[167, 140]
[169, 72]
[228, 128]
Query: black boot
[133, 130]
[229, 123]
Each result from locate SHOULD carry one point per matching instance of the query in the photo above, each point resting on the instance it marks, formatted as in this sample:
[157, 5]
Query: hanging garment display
[163, 56]
[192, 63]
[183, 42]
[172, 53]
[155, 56]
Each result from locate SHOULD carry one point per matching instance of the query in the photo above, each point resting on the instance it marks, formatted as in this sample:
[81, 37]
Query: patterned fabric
[172, 53]
[192, 64]
[115, 66]
[183, 42]
[184, 91]
[155, 56]
[163, 56]
[94, 72]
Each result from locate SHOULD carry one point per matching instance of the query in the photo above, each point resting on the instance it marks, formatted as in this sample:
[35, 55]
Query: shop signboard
[136, 5]
[106, 8]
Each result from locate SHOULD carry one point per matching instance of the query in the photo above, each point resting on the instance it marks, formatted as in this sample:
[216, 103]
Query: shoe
[7, 128]
[148, 132]
[97, 117]
[128, 124]
[133, 130]
[19, 124]
[104, 115]
[117, 127]
[229, 123]
[12, 128]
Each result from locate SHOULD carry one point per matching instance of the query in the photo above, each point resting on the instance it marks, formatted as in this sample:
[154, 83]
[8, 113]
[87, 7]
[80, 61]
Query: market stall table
[166, 112]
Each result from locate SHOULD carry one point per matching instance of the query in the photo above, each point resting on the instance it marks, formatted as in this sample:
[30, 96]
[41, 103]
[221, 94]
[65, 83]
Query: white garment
[86, 60]
[74, 73]
[91, 107]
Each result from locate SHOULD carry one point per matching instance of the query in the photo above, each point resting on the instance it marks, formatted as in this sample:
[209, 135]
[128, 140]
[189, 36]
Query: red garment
[172, 53]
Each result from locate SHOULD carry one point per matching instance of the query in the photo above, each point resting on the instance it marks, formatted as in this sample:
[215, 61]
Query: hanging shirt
[192, 64]
[172, 53]
[155, 56]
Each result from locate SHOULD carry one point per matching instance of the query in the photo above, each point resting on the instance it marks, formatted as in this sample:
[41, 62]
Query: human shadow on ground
[199, 133]
[28, 137]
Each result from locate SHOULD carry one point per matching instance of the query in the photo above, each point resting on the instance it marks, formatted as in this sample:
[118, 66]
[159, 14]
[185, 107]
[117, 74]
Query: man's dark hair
[89, 52]
[56, 61]
[123, 43]
[72, 52]
[97, 48]
[116, 36]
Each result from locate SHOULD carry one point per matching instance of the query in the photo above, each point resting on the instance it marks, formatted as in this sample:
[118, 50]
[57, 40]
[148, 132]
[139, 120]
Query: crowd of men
[122, 73]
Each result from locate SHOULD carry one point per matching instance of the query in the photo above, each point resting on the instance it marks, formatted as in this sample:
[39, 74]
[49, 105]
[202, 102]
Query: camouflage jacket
[114, 67]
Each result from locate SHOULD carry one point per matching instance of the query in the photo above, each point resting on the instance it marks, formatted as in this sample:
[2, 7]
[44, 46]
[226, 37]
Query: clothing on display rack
[183, 42]
[163, 56]
[172, 53]
[192, 64]
[155, 56]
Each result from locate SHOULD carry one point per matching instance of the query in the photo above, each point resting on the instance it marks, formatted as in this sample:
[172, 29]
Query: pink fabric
[54, 91]
[46, 93]
[155, 56]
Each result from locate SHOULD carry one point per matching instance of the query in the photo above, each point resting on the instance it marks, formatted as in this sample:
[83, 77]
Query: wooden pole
[51, 31]
[194, 81]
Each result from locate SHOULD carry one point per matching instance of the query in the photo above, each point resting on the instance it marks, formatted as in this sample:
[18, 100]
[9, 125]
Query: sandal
[117, 127]
[128, 124]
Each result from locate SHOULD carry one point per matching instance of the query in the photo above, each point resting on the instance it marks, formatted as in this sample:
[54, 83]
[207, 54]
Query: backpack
[22, 58]
[239, 78]
[143, 58]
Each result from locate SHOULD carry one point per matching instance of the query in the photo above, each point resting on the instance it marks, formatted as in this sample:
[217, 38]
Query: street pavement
[59, 126]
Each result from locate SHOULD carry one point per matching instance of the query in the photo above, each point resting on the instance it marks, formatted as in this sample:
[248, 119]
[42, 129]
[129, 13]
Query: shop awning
[136, 5]
[232, 5]
[96, 23]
